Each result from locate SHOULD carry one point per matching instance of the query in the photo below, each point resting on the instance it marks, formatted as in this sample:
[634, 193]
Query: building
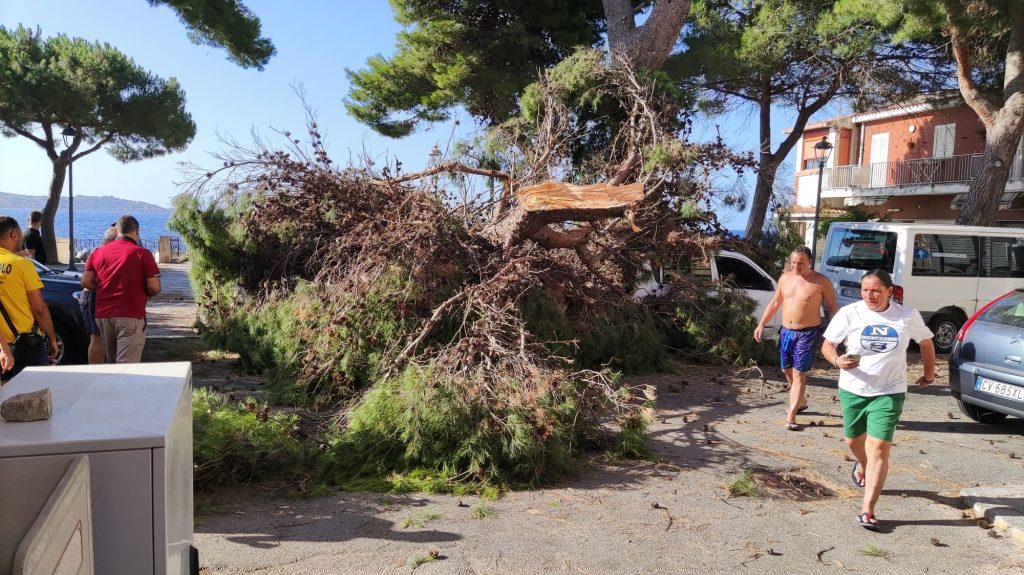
[909, 163]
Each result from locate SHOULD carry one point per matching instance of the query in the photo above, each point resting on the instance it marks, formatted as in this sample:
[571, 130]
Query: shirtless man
[801, 293]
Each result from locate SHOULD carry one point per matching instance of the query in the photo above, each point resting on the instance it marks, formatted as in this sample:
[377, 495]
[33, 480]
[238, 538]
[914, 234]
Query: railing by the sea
[176, 246]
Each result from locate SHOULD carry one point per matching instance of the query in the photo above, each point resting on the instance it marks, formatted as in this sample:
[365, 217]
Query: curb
[1002, 506]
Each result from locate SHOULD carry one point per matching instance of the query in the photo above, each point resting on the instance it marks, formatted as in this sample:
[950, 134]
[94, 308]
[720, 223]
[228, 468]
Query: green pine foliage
[241, 442]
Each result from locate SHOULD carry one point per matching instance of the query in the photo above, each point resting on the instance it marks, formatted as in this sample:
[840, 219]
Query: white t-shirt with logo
[881, 339]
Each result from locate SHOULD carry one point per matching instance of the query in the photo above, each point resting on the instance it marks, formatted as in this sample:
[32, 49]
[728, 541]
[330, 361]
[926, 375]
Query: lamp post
[69, 136]
[822, 150]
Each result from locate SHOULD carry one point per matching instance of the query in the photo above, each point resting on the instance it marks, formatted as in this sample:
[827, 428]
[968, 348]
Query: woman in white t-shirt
[873, 378]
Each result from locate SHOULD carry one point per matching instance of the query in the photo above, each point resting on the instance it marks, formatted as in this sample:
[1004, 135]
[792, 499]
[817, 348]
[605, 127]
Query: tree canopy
[105, 98]
[227, 24]
[986, 40]
[477, 53]
[799, 54]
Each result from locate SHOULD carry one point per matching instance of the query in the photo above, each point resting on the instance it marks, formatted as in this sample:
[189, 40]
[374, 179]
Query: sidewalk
[173, 312]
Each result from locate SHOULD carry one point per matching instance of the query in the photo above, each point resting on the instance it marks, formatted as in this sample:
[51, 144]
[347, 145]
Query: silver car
[986, 366]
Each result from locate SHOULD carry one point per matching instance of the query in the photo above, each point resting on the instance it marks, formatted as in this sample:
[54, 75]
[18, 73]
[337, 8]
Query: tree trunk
[649, 45]
[987, 187]
[1003, 119]
[60, 170]
[766, 168]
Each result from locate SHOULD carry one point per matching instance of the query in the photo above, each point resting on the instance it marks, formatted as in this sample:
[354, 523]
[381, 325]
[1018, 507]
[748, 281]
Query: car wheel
[945, 328]
[980, 414]
[69, 345]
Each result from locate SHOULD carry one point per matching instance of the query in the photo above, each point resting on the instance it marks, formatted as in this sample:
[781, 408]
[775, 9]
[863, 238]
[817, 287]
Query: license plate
[1006, 390]
[850, 292]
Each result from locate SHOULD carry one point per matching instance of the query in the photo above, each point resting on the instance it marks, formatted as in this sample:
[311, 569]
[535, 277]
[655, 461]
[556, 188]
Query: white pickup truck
[740, 271]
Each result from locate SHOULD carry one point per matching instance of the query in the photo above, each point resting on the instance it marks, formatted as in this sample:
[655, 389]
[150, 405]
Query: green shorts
[877, 415]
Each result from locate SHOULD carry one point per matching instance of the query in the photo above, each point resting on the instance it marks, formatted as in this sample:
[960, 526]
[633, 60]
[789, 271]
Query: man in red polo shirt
[123, 275]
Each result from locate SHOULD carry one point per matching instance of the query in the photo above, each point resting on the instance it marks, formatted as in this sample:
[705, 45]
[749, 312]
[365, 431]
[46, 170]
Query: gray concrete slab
[1002, 506]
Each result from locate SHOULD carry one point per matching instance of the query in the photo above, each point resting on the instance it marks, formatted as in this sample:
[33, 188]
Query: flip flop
[867, 521]
[857, 475]
[794, 426]
[803, 409]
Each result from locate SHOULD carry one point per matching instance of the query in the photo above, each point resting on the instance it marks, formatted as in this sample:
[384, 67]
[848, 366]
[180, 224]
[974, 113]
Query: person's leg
[131, 338]
[875, 472]
[797, 394]
[855, 428]
[96, 354]
[108, 335]
[883, 413]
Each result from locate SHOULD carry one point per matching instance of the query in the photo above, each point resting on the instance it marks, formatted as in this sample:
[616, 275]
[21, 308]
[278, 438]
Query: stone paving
[173, 312]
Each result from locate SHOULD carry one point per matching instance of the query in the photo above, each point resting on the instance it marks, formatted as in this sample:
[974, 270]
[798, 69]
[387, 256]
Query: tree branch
[981, 104]
[96, 147]
[41, 142]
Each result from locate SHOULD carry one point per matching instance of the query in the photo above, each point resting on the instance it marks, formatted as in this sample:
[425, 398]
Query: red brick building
[912, 163]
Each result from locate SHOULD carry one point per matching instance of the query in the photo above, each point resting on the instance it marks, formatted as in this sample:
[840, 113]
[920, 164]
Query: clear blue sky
[315, 40]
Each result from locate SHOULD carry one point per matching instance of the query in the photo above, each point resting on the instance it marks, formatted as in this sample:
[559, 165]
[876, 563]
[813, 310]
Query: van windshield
[861, 249]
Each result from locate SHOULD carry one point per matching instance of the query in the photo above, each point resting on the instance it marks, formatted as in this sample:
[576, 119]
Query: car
[944, 271]
[986, 367]
[725, 266]
[61, 291]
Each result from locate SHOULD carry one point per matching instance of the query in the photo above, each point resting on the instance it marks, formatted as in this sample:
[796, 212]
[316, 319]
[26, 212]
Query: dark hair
[127, 224]
[803, 250]
[7, 225]
[882, 275]
[35, 217]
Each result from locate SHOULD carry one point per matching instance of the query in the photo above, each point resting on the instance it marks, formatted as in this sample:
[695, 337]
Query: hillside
[82, 203]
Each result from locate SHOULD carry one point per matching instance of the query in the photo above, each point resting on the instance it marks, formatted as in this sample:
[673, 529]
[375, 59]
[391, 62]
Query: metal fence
[954, 169]
[177, 247]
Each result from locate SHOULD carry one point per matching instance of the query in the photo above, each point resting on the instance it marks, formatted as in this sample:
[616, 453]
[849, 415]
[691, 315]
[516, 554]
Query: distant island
[83, 203]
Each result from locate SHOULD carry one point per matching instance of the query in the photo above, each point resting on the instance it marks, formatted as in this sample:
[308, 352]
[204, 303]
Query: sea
[91, 225]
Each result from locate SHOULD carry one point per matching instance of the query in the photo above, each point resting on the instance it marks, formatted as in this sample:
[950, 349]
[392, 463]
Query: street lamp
[822, 150]
[69, 136]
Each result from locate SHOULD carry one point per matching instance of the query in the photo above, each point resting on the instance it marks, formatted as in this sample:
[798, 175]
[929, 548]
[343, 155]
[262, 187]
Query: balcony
[906, 177]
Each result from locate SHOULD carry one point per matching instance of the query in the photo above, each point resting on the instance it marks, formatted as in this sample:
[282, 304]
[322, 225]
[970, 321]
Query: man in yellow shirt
[22, 298]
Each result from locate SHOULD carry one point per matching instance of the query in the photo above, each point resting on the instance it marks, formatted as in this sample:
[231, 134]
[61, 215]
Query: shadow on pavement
[343, 517]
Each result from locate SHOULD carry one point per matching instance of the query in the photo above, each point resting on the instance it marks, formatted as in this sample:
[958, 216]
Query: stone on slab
[28, 406]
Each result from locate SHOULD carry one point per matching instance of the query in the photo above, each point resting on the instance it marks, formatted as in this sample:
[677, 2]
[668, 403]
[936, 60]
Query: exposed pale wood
[550, 195]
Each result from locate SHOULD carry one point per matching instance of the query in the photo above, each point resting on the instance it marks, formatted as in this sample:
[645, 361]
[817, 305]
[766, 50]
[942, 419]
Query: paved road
[173, 312]
[671, 517]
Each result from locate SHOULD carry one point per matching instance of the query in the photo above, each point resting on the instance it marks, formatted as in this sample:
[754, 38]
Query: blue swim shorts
[87, 301]
[796, 347]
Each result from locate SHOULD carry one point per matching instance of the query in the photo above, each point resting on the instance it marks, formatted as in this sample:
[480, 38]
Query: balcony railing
[953, 169]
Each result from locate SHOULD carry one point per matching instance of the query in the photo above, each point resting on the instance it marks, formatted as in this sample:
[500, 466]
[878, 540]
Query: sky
[316, 41]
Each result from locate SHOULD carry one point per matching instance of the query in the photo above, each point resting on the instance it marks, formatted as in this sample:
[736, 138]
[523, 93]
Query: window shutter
[943, 147]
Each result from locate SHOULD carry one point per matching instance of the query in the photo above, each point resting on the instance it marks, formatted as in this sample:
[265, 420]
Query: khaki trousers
[123, 338]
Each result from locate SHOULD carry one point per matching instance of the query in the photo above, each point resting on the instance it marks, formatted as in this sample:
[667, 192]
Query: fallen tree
[480, 338]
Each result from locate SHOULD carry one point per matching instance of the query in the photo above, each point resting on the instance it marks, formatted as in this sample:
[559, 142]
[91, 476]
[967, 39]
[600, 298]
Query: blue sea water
[91, 225]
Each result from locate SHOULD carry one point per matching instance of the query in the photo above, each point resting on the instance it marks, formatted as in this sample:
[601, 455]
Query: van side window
[737, 273]
[685, 266]
[861, 249]
[945, 255]
[1002, 257]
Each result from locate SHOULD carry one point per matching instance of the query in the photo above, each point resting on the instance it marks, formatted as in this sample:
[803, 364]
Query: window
[944, 138]
[1002, 257]
[810, 164]
[738, 273]
[861, 249]
[1007, 311]
[945, 255]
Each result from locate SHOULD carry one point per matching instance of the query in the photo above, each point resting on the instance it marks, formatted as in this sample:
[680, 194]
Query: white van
[733, 267]
[944, 271]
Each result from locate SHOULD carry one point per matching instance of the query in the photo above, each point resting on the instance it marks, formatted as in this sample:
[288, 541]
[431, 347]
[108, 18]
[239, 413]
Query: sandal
[794, 426]
[857, 475]
[803, 409]
[867, 521]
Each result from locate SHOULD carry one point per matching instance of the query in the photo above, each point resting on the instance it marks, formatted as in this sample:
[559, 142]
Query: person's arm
[769, 310]
[831, 354]
[153, 286]
[928, 357]
[829, 295]
[42, 315]
[6, 355]
[89, 280]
